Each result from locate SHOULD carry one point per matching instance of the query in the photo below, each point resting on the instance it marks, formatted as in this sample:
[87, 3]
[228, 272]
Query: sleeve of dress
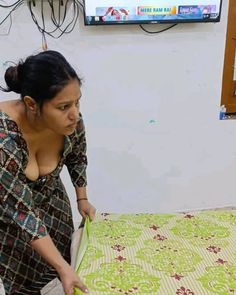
[16, 200]
[76, 160]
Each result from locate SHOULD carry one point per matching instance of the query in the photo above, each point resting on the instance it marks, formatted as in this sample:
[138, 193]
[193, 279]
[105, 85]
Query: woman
[38, 135]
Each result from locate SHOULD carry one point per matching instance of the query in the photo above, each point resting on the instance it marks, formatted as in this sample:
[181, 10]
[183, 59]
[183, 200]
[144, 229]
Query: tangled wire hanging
[12, 8]
[60, 20]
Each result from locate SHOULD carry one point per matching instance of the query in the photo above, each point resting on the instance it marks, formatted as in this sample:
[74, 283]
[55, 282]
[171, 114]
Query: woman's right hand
[71, 280]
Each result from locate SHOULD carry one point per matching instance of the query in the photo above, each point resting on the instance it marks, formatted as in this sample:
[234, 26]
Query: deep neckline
[18, 130]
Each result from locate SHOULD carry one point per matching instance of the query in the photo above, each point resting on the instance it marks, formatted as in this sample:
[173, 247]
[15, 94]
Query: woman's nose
[74, 113]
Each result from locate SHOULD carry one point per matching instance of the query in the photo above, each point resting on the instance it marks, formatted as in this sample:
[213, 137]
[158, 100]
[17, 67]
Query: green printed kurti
[33, 209]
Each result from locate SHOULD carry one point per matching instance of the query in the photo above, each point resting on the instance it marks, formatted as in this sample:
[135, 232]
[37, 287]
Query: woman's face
[61, 113]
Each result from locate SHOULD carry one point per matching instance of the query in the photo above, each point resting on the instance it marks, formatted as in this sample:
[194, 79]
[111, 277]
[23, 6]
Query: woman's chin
[69, 130]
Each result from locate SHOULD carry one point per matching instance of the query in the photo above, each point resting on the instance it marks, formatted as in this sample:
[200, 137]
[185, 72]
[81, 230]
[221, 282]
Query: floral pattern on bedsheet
[192, 253]
[225, 216]
[169, 256]
[123, 277]
[220, 279]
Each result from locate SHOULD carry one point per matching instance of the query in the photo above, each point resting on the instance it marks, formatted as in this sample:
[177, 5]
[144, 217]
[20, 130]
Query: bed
[189, 253]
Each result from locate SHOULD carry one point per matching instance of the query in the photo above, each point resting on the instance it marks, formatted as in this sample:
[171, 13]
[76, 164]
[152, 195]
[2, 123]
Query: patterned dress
[33, 209]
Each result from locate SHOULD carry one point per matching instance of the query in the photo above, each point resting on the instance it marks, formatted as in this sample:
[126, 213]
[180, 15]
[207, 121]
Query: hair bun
[12, 79]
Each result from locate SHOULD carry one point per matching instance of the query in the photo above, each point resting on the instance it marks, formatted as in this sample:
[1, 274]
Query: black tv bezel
[150, 22]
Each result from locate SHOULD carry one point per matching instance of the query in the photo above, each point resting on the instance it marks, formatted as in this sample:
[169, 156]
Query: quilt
[159, 254]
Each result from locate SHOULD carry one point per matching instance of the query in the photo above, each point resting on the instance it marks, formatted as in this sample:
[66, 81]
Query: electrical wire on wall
[11, 5]
[62, 20]
[157, 32]
[12, 8]
[81, 3]
[9, 28]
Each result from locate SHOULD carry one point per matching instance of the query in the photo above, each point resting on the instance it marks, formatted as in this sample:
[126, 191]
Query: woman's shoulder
[9, 107]
[79, 130]
[8, 116]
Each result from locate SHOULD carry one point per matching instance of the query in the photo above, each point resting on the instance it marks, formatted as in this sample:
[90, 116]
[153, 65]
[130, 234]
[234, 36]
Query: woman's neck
[30, 123]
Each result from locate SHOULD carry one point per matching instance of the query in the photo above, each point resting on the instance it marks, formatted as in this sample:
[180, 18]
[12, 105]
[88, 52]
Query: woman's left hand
[86, 209]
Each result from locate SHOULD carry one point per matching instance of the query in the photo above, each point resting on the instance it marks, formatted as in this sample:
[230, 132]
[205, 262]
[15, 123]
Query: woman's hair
[40, 76]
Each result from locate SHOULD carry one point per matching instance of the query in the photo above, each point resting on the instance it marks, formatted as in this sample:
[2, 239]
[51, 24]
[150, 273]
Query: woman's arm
[84, 207]
[76, 162]
[69, 279]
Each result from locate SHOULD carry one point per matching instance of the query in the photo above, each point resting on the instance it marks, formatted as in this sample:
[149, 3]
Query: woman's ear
[30, 104]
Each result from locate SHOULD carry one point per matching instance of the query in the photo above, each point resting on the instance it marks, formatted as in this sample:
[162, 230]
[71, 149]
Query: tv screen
[105, 12]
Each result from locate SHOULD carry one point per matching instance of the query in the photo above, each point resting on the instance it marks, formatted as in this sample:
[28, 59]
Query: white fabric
[2, 290]
[75, 246]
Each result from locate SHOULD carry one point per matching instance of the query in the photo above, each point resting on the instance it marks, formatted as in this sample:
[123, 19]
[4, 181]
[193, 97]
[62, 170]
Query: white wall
[151, 107]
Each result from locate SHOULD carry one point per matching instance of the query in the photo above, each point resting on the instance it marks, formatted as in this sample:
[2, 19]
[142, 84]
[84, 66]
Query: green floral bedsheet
[166, 254]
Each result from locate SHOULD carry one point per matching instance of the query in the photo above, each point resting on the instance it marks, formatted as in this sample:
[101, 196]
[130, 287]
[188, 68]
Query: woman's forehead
[70, 92]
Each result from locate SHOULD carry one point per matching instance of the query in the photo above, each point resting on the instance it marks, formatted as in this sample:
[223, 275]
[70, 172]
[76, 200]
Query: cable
[44, 42]
[9, 28]
[157, 32]
[72, 22]
[53, 17]
[58, 24]
[8, 6]
[18, 4]
[57, 20]
[81, 3]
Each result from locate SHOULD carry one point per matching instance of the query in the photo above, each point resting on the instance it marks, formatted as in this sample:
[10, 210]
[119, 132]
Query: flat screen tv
[110, 12]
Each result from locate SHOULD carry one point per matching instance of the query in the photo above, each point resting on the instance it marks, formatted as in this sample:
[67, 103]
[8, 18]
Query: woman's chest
[44, 156]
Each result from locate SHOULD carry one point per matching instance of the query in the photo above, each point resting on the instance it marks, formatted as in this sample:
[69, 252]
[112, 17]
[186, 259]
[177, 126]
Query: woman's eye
[63, 108]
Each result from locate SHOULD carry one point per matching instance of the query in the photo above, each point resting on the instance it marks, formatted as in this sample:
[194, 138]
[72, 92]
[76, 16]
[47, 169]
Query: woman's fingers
[82, 286]
[92, 214]
[69, 292]
[79, 285]
[70, 280]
